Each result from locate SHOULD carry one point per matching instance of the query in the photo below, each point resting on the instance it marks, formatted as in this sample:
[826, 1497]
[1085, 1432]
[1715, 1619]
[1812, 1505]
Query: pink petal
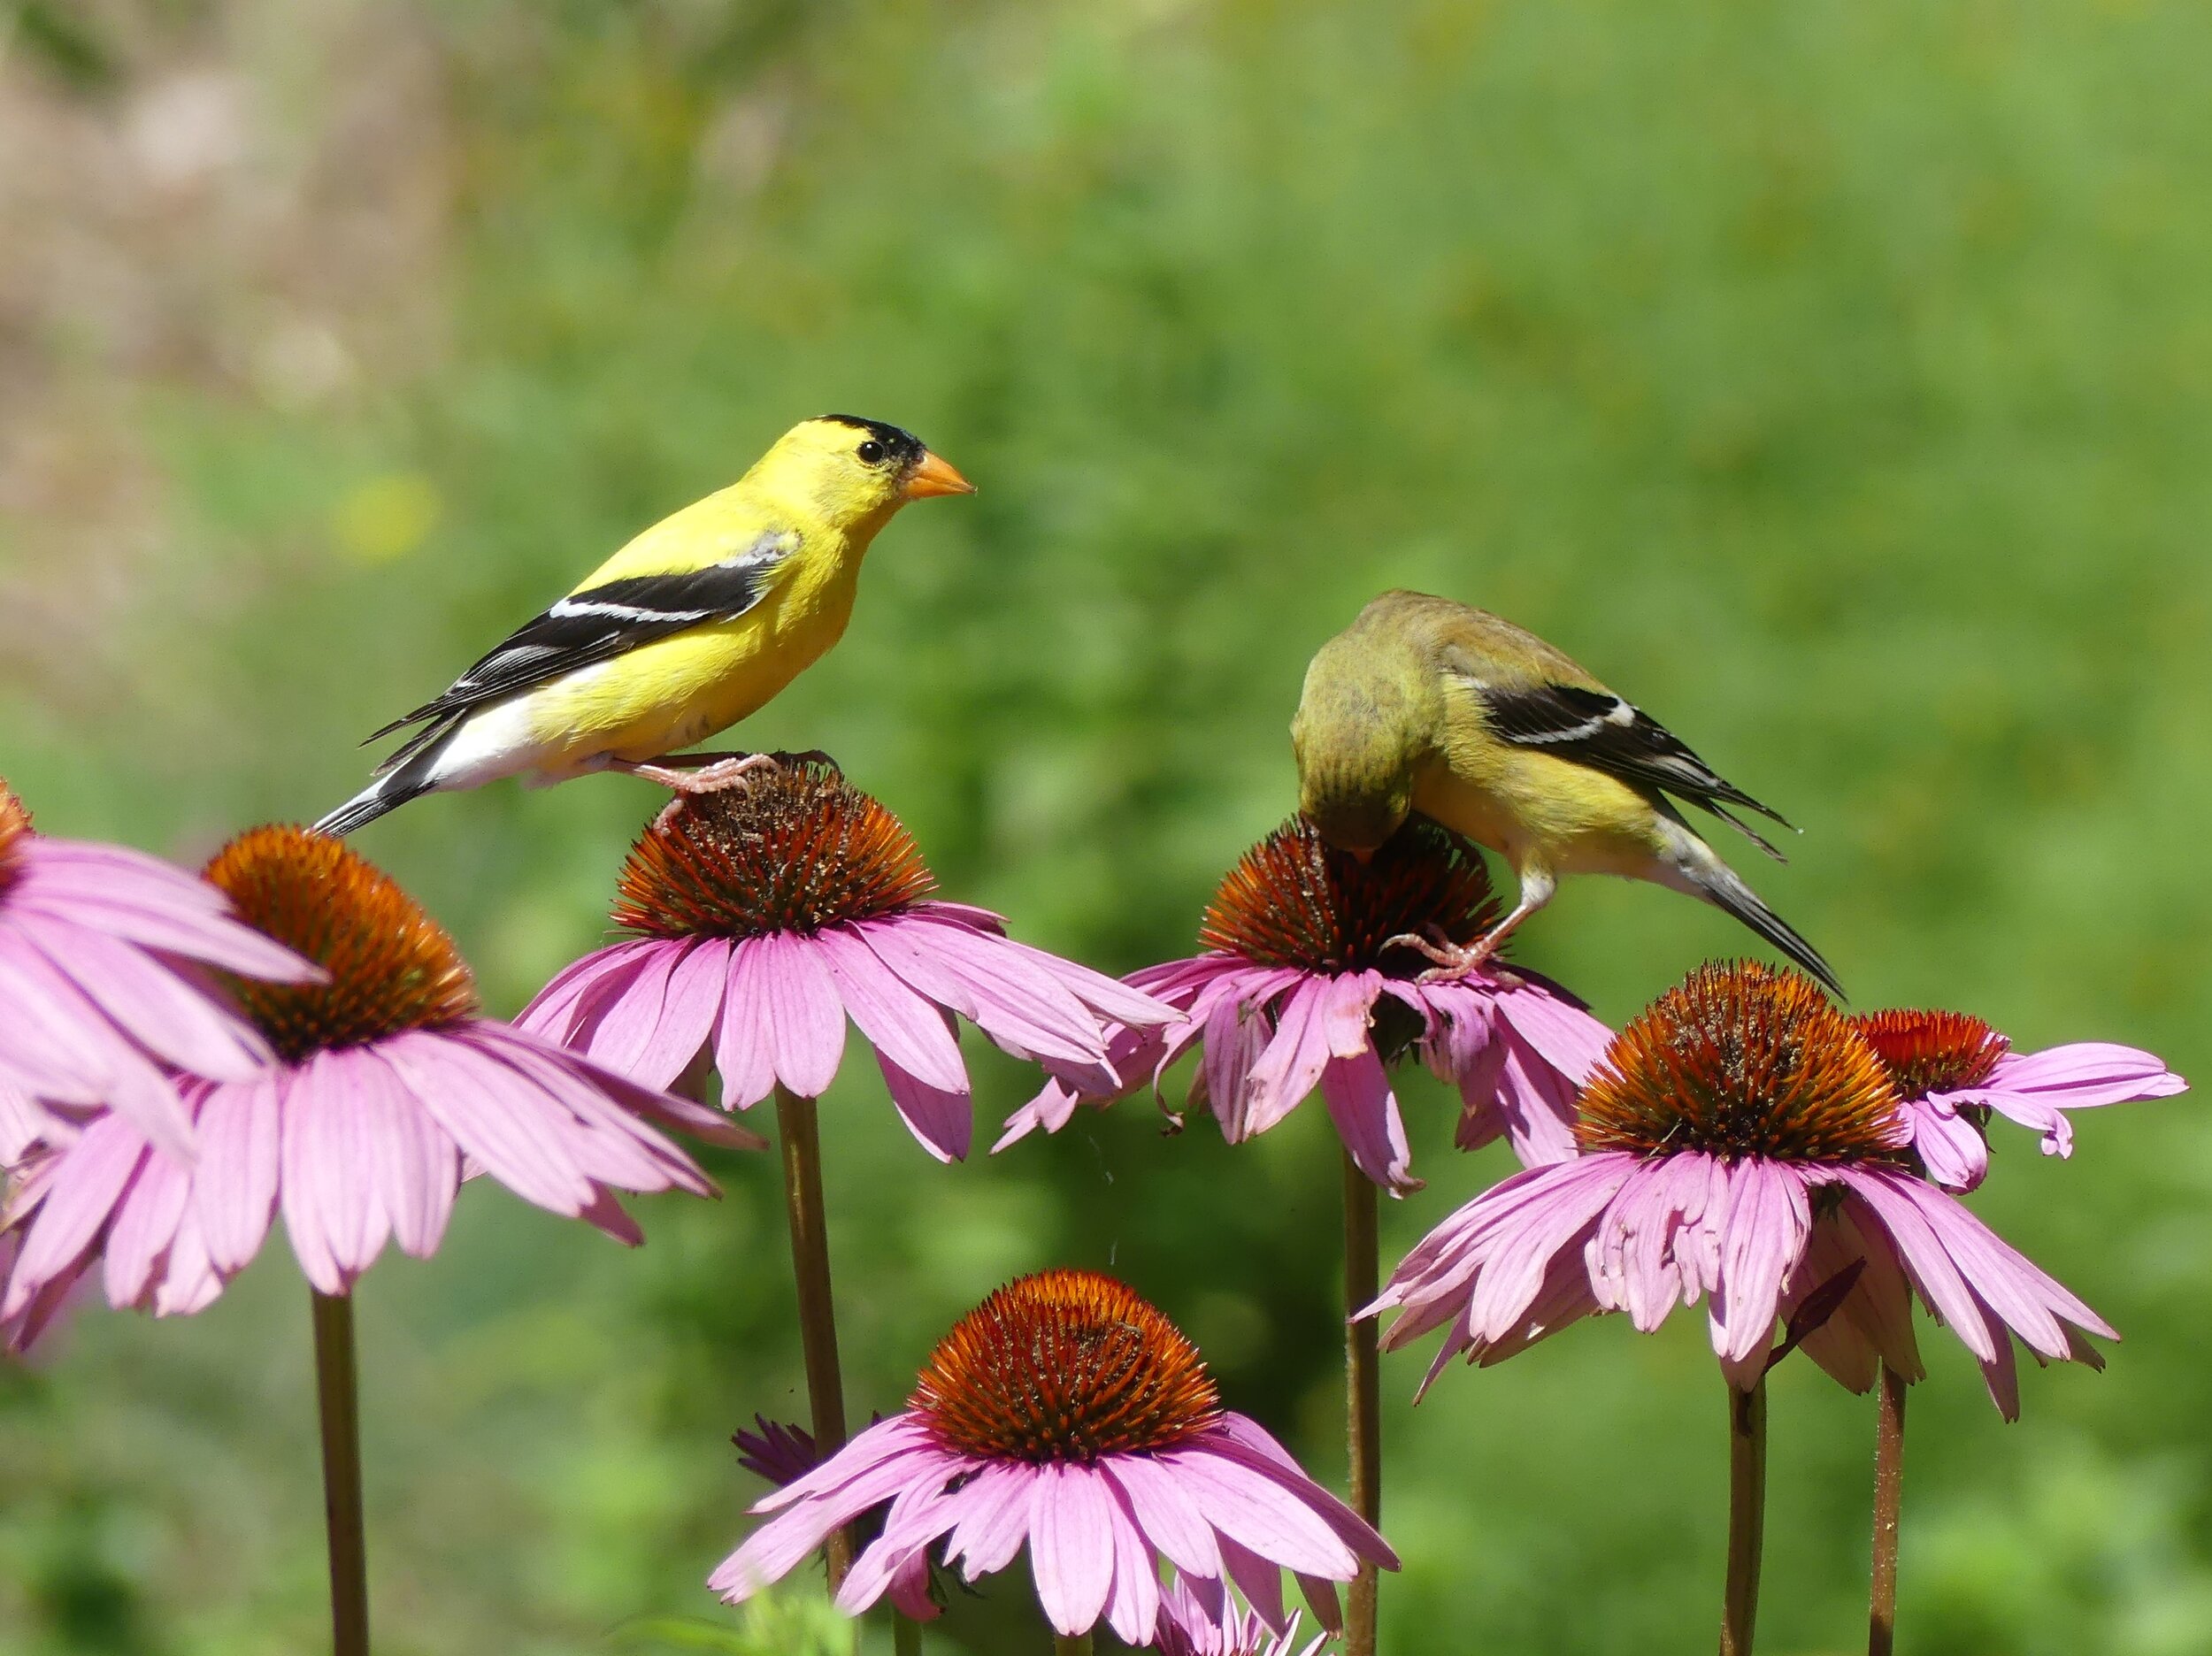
[1248, 1506]
[744, 1054]
[145, 1224]
[1070, 1546]
[82, 1191]
[943, 1123]
[1170, 1519]
[987, 981]
[509, 1125]
[235, 1185]
[1365, 1112]
[413, 1161]
[805, 1022]
[1767, 1218]
[900, 1023]
[994, 1520]
[1289, 1069]
[1132, 1601]
[171, 1016]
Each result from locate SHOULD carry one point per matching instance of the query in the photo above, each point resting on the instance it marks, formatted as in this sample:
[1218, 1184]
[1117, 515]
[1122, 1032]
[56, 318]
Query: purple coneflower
[1068, 1414]
[1952, 1071]
[387, 1081]
[1311, 978]
[765, 914]
[101, 957]
[1742, 1142]
[390, 1088]
[1308, 981]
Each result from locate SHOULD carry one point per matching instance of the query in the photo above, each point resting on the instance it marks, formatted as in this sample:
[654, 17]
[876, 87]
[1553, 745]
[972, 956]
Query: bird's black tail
[406, 775]
[386, 793]
[1719, 886]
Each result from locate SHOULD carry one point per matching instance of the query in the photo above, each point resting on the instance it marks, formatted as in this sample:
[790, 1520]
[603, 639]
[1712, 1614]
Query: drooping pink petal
[901, 1026]
[1365, 1112]
[1132, 1601]
[744, 1055]
[982, 978]
[145, 1224]
[1070, 1546]
[234, 1184]
[1171, 1519]
[1259, 1579]
[86, 1181]
[805, 1021]
[1247, 1506]
[1768, 1217]
[1290, 1068]
[1951, 1147]
[513, 1128]
[994, 1520]
[413, 1161]
[942, 1122]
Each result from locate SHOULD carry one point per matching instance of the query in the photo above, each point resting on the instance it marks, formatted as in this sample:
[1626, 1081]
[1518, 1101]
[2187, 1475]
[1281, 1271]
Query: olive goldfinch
[695, 625]
[1424, 704]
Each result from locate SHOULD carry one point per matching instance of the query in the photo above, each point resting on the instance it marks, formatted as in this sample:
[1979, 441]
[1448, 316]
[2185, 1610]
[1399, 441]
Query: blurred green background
[1836, 378]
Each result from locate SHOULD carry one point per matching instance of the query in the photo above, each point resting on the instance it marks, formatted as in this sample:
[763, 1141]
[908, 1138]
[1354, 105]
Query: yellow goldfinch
[1424, 704]
[696, 623]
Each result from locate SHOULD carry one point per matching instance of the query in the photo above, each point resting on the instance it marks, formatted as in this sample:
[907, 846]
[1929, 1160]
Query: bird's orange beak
[933, 476]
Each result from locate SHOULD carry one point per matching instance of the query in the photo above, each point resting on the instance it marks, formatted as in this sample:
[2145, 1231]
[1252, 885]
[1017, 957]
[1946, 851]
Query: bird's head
[856, 471]
[1363, 724]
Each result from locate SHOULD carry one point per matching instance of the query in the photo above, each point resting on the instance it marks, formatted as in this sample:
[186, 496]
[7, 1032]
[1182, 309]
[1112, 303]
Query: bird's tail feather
[386, 793]
[409, 774]
[1718, 885]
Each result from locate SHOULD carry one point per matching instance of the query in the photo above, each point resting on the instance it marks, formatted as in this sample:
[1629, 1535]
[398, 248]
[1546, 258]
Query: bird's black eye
[870, 451]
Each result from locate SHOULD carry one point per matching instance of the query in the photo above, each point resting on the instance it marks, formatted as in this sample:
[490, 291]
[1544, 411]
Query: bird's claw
[1452, 962]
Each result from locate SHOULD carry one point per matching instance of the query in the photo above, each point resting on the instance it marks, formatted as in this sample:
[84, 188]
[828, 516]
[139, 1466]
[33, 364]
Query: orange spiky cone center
[1740, 1060]
[790, 849]
[1929, 1052]
[392, 967]
[1293, 899]
[1065, 1366]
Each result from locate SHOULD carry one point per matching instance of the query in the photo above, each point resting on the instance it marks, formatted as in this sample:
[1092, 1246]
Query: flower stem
[1071, 1644]
[906, 1636]
[1889, 1492]
[337, 1401]
[799, 1127]
[1363, 1395]
[1746, 1515]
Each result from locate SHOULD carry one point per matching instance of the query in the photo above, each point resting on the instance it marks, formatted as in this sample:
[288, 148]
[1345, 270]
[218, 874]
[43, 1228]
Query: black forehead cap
[902, 443]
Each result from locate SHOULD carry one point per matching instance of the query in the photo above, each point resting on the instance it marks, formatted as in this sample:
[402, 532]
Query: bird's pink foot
[1452, 962]
[702, 773]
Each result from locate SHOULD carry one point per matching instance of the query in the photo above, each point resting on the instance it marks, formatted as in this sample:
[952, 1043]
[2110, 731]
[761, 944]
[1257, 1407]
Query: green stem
[338, 1403]
[1746, 1515]
[1078, 1646]
[906, 1636]
[1362, 1394]
[1889, 1493]
[799, 1127]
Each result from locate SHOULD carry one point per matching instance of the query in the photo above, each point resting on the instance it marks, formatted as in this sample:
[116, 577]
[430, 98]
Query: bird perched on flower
[696, 623]
[1424, 704]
